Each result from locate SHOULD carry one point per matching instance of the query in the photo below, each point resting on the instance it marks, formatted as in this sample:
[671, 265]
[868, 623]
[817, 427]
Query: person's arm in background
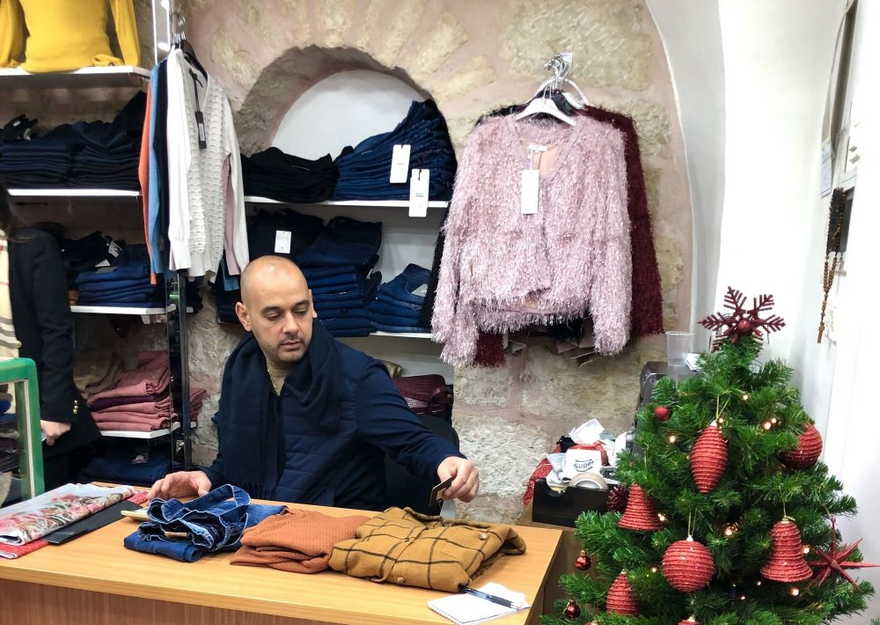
[49, 289]
[386, 422]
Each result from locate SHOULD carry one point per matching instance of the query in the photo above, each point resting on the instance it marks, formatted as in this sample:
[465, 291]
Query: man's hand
[466, 482]
[54, 430]
[181, 484]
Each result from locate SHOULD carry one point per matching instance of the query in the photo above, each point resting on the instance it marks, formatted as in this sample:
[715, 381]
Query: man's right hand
[181, 484]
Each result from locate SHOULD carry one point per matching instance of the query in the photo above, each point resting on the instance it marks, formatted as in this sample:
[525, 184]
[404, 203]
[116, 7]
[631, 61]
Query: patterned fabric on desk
[37, 517]
[441, 554]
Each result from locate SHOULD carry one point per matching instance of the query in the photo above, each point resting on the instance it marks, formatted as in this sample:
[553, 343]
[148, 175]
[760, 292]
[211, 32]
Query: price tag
[528, 194]
[400, 163]
[826, 174]
[114, 249]
[282, 241]
[419, 184]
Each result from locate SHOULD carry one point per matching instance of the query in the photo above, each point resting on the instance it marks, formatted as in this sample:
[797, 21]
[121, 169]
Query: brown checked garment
[411, 549]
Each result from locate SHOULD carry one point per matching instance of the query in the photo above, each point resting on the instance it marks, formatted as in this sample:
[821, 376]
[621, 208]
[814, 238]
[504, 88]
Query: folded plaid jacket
[411, 549]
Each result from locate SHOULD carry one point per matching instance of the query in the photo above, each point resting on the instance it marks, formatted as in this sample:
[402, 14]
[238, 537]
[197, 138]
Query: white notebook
[465, 609]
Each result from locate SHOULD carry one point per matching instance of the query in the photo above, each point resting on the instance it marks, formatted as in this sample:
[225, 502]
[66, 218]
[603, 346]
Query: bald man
[304, 418]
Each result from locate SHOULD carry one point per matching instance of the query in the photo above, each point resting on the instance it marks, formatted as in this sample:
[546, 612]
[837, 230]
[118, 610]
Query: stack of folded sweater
[126, 282]
[337, 266]
[398, 305]
[84, 154]
[365, 170]
[140, 401]
[287, 178]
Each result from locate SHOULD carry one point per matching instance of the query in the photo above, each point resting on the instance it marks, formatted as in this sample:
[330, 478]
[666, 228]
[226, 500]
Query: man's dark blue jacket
[323, 440]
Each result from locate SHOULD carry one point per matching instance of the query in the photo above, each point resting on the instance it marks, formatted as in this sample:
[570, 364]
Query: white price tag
[282, 241]
[528, 195]
[114, 249]
[826, 174]
[400, 163]
[419, 184]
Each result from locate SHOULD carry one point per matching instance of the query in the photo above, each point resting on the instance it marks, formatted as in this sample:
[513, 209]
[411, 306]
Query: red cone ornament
[808, 450]
[661, 413]
[786, 563]
[708, 458]
[617, 498]
[640, 514]
[620, 598]
[583, 562]
[572, 610]
[688, 565]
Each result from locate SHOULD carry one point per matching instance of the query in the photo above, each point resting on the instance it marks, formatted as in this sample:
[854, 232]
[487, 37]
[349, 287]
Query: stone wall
[471, 57]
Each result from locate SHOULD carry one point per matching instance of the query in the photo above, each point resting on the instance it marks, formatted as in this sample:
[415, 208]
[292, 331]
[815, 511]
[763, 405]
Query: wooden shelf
[71, 193]
[142, 435]
[122, 310]
[85, 78]
[256, 199]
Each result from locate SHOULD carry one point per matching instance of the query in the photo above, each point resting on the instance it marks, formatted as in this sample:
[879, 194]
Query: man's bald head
[267, 270]
[276, 305]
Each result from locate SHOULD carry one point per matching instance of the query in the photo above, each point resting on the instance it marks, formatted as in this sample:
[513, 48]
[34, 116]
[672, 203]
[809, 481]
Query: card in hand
[435, 492]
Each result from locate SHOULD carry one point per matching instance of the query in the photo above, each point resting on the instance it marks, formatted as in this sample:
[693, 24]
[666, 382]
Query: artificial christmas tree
[770, 474]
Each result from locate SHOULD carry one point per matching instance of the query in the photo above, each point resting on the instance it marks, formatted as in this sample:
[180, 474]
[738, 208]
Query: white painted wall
[344, 109]
[778, 57]
[692, 41]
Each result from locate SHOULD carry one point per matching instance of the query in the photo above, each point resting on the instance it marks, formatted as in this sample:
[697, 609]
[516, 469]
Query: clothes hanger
[180, 41]
[544, 102]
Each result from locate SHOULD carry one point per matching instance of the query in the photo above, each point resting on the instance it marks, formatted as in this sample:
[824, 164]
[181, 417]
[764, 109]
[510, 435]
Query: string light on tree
[794, 591]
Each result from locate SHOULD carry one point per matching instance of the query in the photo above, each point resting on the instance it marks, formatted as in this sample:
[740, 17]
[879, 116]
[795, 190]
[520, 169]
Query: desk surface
[98, 562]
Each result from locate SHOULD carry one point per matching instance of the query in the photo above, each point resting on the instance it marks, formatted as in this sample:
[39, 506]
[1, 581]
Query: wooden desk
[94, 580]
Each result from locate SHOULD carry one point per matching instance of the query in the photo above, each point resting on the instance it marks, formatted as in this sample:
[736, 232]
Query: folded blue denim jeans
[391, 320]
[344, 241]
[403, 285]
[133, 263]
[312, 273]
[382, 307]
[213, 522]
[381, 327]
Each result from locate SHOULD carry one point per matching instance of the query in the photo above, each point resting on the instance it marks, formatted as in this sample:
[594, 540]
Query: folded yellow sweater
[60, 35]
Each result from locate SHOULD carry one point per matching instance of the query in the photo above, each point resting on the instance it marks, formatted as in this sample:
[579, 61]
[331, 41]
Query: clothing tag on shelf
[114, 249]
[418, 192]
[528, 196]
[400, 163]
[282, 241]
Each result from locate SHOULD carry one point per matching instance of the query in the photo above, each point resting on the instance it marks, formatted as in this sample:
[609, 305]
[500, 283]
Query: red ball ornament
[688, 565]
[583, 562]
[708, 458]
[808, 449]
[690, 621]
[744, 326]
[621, 599]
[786, 563]
[661, 413]
[572, 610]
[640, 514]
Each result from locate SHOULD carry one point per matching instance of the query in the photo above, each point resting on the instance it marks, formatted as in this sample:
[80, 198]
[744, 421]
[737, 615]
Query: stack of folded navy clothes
[126, 282]
[364, 171]
[84, 154]
[337, 266]
[287, 178]
[398, 305]
[128, 462]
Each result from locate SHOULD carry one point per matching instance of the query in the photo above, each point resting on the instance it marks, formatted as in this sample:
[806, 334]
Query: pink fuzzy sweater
[502, 270]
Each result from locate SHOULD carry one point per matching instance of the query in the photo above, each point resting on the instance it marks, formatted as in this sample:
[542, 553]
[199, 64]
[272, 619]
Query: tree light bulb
[774, 420]
[728, 531]
[720, 420]
[806, 549]
[672, 438]
[758, 583]
[795, 591]
[742, 597]
[662, 517]
[745, 397]
[767, 425]
[654, 569]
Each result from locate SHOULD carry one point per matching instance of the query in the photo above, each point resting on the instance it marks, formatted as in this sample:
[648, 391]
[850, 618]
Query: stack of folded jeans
[84, 154]
[287, 178]
[129, 462]
[398, 305]
[126, 282]
[212, 523]
[365, 170]
[337, 267]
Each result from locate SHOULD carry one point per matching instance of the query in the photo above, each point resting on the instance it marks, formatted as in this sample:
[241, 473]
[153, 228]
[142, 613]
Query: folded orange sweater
[298, 541]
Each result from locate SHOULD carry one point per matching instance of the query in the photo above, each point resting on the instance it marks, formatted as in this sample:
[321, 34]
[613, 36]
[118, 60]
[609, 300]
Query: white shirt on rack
[206, 192]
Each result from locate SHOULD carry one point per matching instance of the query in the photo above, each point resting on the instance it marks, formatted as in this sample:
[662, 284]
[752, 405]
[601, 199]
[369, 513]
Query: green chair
[22, 374]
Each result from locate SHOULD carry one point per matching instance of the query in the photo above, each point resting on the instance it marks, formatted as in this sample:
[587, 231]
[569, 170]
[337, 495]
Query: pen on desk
[483, 595]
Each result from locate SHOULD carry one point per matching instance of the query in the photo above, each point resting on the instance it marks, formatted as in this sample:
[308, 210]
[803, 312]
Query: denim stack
[399, 303]
[287, 178]
[126, 282]
[84, 154]
[337, 266]
[365, 170]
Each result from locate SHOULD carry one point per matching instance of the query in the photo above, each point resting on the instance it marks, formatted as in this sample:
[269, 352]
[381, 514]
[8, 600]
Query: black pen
[483, 595]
